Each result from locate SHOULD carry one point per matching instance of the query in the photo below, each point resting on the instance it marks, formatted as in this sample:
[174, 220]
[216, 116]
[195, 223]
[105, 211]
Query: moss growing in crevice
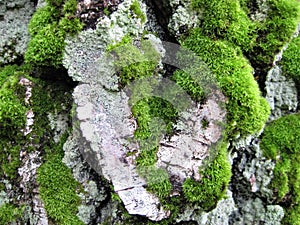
[58, 188]
[48, 28]
[12, 120]
[280, 142]
[290, 60]
[136, 9]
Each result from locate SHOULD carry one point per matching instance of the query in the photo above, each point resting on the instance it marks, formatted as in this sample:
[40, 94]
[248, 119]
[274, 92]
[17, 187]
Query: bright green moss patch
[291, 59]
[48, 28]
[275, 31]
[259, 40]
[225, 19]
[213, 184]
[58, 188]
[9, 213]
[281, 143]
[136, 9]
[247, 111]
[134, 63]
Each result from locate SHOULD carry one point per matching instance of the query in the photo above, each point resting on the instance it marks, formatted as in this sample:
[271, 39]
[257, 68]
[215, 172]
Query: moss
[213, 184]
[290, 60]
[47, 97]
[12, 120]
[274, 32]
[48, 28]
[226, 19]
[247, 111]
[134, 63]
[136, 9]
[9, 213]
[280, 142]
[58, 188]
[259, 41]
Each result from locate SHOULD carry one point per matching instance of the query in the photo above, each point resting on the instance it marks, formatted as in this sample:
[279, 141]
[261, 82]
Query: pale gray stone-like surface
[281, 94]
[3, 198]
[107, 124]
[254, 212]
[184, 153]
[252, 174]
[261, 12]
[14, 18]
[219, 215]
[28, 174]
[59, 124]
[281, 91]
[182, 17]
[83, 51]
[93, 194]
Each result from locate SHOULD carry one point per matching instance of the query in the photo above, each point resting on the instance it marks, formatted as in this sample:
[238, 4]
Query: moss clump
[134, 63]
[12, 120]
[58, 188]
[213, 184]
[274, 32]
[225, 19]
[280, 142]
[290, 60]
[48, 28]
[136, 9]
[259, 40]
[247, 111]
[9, 213]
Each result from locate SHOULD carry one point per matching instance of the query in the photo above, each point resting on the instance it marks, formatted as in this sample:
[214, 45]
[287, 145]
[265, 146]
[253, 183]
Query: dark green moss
[58, 188]
[12, 120]
[10, 213]
[48, 28]
[290, 60]
[247, 111]
[281, 143]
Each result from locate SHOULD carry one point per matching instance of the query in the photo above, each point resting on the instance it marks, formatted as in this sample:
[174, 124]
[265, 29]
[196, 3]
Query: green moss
[136, 9]
[186, 81]
[48, 28]
[259, 40]
[9, 213]
[280, 142]
[132, 62]
[247, 111]
[213, 184]
[275, 31]
[226, 19]
[12, 120]
[58, 188]
[290, 60]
